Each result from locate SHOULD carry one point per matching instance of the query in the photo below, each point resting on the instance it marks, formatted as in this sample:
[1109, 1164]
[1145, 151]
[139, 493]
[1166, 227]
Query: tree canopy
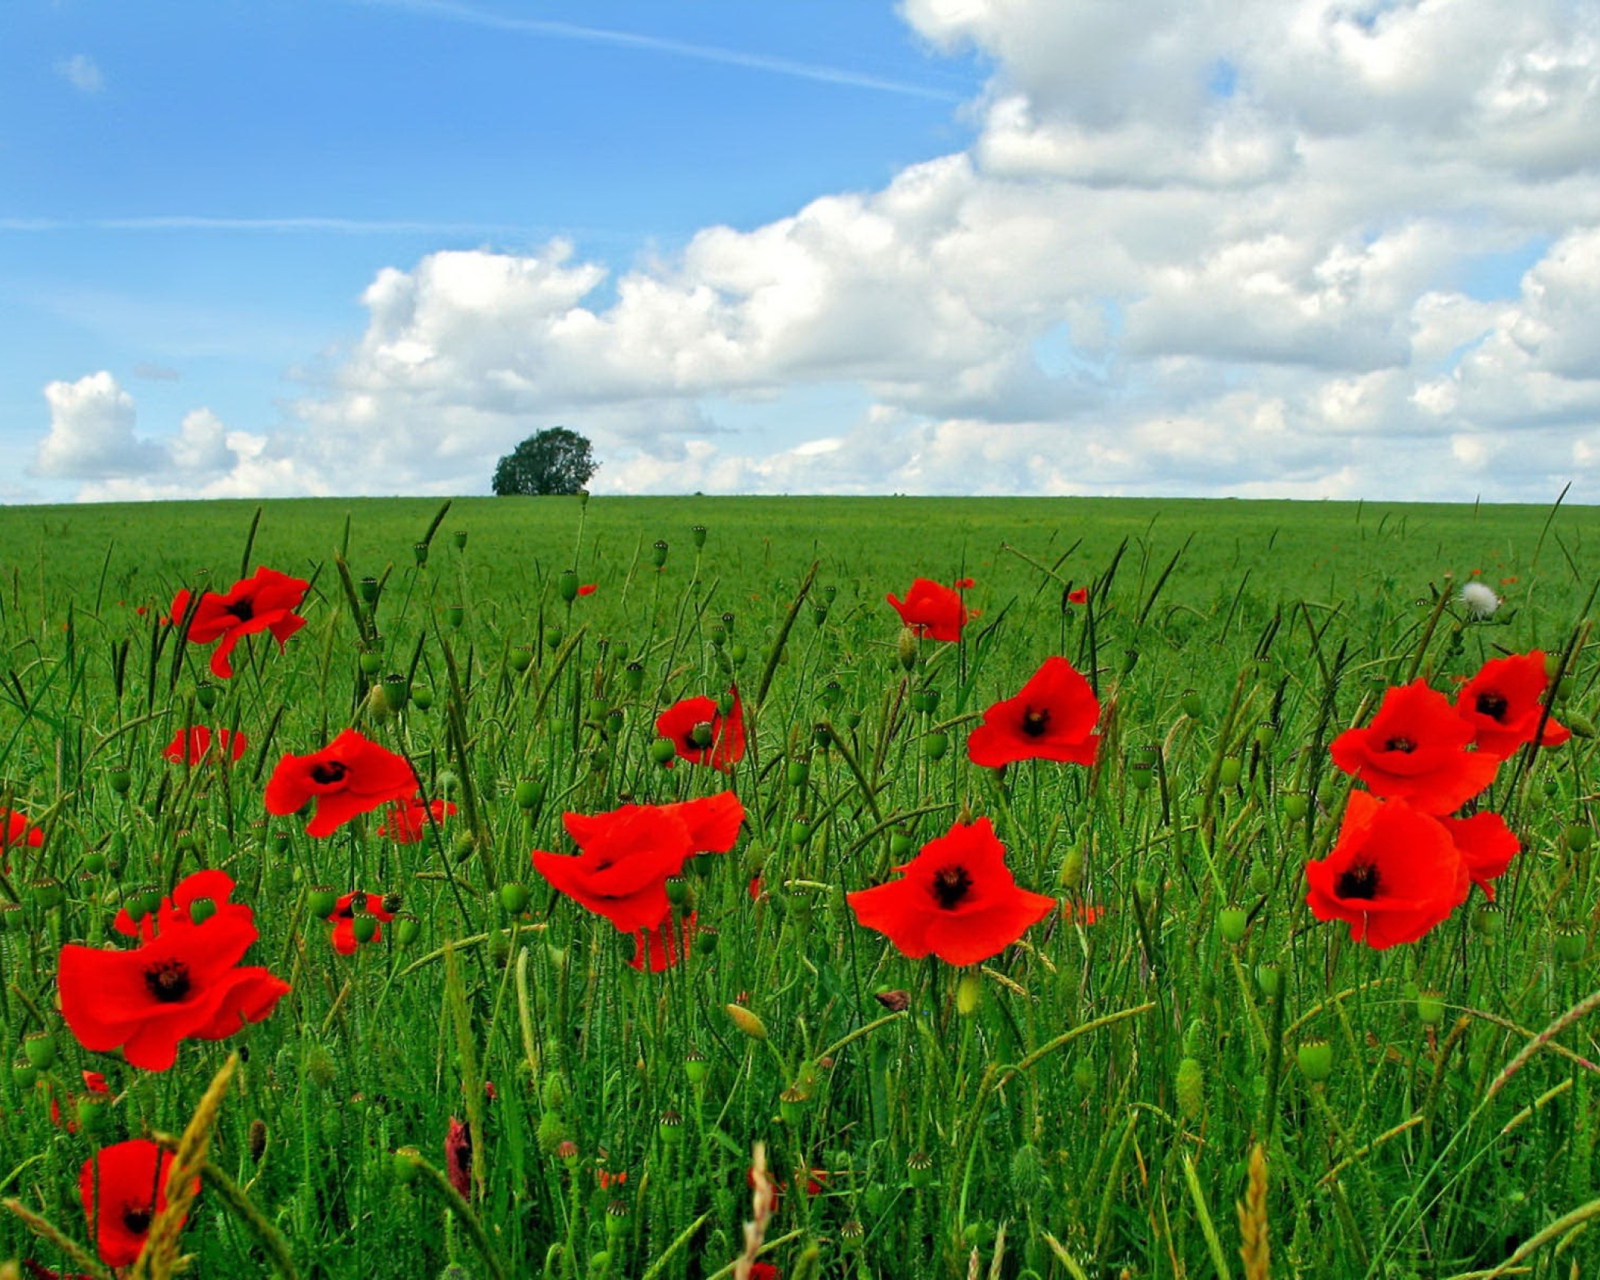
[554, 460]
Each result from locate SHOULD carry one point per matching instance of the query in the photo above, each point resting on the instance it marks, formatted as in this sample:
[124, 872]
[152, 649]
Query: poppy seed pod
[1231, 924]
[934, 745]
[515, 896]
[658, 553]
[459, 537]
[422, 697]
[1191, 704]
[699, 535]
[396, 691]
[120, 779]
[695, 1066]
[567, 585]
[320, 901]
[1430, 1008]
[1295, 806]
[369, 590]
[1569, 943]
[1315, 1058]
[919, 1165]
[407, 928]
[24, 1074]
[371, 662]
[670, 1127]
[1230, 771]
[39, 1048]
[528, 794]
[521, 658]
[420, 550]
[455, 615]
[206, 695]
[662, 751]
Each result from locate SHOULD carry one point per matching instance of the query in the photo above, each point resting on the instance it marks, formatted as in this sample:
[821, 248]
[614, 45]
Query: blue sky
[939, 246]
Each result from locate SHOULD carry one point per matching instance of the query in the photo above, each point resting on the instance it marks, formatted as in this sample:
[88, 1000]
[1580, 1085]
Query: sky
[1258, 248]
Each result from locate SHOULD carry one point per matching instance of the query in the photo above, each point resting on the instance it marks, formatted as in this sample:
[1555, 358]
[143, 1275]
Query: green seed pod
[1295, 806]
[321, 900]
[201, 910]
[695, 1066]
[919, 1168]
[455, 615]
[94, 862]
[1230, 771]
[799, 831]
[1578, 836]
[459, 537]
[363, 926]
[46, 892]
[396, 691]
[24, 1074]
[407, 928]
[1430, 1008]
[369, 590]
[679, 893]
[406, 1168]
[698, 533]
[901, 846]
[371, 663]
[515, 897]
[1190, 1088]
[553, 637]
[206, 695]
[521, 658]
[662, 751]
[420, 551]
[1569, 943]
[1489, 921]
[91, 1110]
[421, 697]
[1266, 734]
[1316, 1060]
[792, 1105]
[934, 745]
[567, 585]
[658, 553]
[798, 773]
[528, 794]
[1191, 704]
[1269, 979]
[619, 1215]
[120, 779]
[670, 1127]
[39, 1048]
[1232, 923]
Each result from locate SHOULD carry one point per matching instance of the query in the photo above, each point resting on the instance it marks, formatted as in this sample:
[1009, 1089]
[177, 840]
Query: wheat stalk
[1253, 1220]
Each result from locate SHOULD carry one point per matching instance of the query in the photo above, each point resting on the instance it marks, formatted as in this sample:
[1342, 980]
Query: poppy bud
[695, 1066]
[459, 537]
[1190, 702]
[455, 615]
[747, 1022]
[1581, 725]
[1295, 806]
[371, 662]
[567, 585]
[662, 751]
[1578, 836]
[969, 994]
[906, 648]
[739, 653]
[407, 928]
[521, 658]
[528, 794]
[1260, 877]
[1569, 943]
[900, 845]
[120, 779]
[919, 1165]
[1190, 1088]
[206, 695]
[658, 553]
[1316, 1060]
[257, 1140]
[1430, 1008]
[670, 1127]
[396, 691]
[421, 697]
[24, 1073]
[39, 1048]
[201, 910]
[515, 897]
[1071, 877]
[552, 637]
[934, 745]
[1231, 924]
[1228, 775]
[321, 900]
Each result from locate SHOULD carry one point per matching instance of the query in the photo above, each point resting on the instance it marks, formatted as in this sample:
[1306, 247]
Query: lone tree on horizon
[555, 460]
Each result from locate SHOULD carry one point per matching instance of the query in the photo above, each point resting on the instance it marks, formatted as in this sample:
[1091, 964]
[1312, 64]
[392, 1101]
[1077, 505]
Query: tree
[555, 460]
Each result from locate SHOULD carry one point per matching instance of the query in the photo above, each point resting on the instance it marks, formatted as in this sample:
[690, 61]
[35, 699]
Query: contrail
[451, 11]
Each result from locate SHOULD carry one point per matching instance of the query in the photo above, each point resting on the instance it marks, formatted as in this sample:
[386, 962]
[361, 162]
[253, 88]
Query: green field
[1083, 1104]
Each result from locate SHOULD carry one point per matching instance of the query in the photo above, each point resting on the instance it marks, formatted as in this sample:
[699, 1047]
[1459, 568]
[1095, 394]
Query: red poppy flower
[702, 734]
[407, 822]
[1486, 845]
[232, 745]
[931, 610]
[588, 588]
[215, 887]
[16, 832]
[712, 821]
[182, 984]
[623, 870]
[343, 916]
[1052, 718]
[763, 1271]
[1393, 874]
[1415, 749]
[350, 775]
[266, 602]
[1078, 596]
[957, 900]
[663, 946]
[124, 1188]
[1503, 702]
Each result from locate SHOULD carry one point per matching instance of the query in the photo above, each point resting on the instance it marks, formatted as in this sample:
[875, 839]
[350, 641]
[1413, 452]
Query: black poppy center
[1035, 721]
[137, 1220]
[328, 772]
[1359, 881]
[243, 610]
[168, 980]
[951, 885]
[1400, 744]
[346, 912]
[1492, 704]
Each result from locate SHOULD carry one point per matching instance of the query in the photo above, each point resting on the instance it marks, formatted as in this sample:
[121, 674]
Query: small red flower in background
[407, 822]
[215, 887]
[628, 854]
[663, 946]
[957, 899]
[182, 984]
[1052, 718]
[343, 916]
[1079, 595]
[702, 734]
[1415, 749]
[1486, 845]
[16, 832]
[266, 602]
[588, 588]
[1503, 703]
[93, 1082]
[231, 745]
[349, 776]
[931, 610]
[763, 1271]
[124, 1188]
[964, 584]
[1393, 874]
[458, 1157]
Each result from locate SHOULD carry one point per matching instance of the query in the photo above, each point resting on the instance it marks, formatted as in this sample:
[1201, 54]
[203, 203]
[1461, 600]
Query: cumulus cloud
[1207, 249]
[91, 432]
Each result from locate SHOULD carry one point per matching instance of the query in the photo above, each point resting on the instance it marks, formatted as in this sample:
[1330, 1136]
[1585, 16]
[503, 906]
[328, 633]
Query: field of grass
[1086, 1103]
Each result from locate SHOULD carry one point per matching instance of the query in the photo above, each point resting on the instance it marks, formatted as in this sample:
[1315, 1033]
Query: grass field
[1084, 1103]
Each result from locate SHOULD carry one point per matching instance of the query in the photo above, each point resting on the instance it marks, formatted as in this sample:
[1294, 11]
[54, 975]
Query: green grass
[1102, 1100]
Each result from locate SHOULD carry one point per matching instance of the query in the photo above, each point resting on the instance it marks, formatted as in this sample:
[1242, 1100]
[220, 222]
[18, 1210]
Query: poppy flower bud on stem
[969, 994]
[747, 1022]
[420, 550]
[658, 553]
[906, 649]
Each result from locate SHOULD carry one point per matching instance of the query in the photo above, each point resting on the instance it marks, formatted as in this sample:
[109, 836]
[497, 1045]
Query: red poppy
[458, 1157]
[1415, 750]
[16, 832]
[1486, 845]
[1078, 596]
[763, 1271]
[93, 1082]
[407, 822]
[214, 887]
[712, 821]
[1393, 874]
[964, 584]
[623, 869]
[588, 588]
[1052, 718]
[1503, 703]
[957, 900]
[350, 775]
[343, 916]
[663, 946]
[232, 745]
[266, 602]
[931, 610]
[182, 984]
[124, 1188]
[702, 734]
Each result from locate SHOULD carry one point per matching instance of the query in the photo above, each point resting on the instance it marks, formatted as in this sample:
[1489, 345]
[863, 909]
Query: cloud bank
[1316, 248]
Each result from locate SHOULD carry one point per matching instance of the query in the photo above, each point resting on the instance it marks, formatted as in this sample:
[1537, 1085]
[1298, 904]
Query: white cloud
[82, 72]
[91, 432]
[1193, 248]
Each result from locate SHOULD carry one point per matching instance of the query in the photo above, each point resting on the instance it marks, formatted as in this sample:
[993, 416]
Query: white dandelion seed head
[1479, 599]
